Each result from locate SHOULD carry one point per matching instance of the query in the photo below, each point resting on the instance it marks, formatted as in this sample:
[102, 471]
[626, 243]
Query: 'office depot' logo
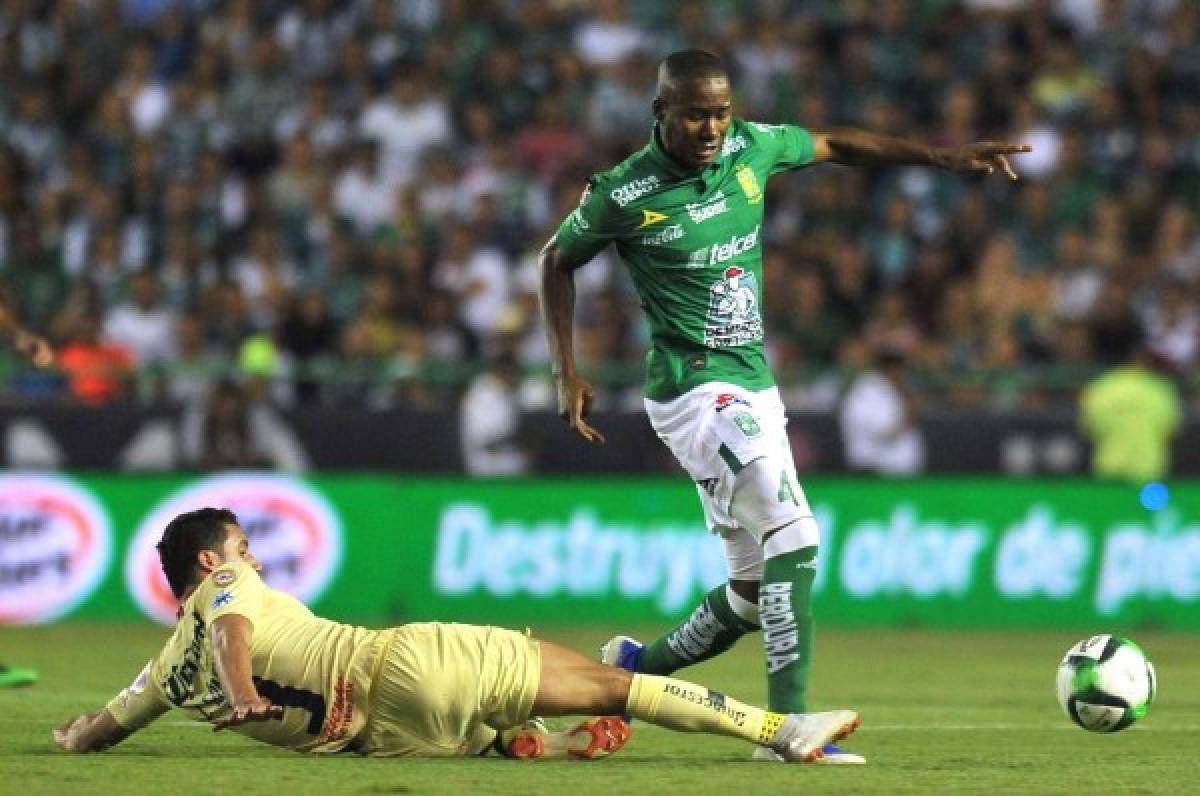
[55, 545]
[294, 532]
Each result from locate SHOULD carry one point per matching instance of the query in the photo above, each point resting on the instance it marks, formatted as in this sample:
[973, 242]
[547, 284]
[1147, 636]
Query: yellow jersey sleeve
[231, 589]
[139, 703]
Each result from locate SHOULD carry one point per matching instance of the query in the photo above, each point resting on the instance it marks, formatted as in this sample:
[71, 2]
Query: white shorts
[714, 431]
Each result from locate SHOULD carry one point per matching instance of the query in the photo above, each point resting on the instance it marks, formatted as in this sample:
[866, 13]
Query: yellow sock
[686, 707]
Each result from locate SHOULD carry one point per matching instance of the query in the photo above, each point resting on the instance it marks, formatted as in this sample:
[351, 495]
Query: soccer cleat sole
[603, 736]
[589, 740]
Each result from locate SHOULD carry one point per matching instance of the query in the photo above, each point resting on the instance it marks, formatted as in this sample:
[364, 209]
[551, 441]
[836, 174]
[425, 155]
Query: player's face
[694, 119]
[237, 548]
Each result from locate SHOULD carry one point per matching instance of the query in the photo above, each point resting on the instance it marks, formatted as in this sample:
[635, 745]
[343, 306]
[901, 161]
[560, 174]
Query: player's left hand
[35, 347]
[983, 157]
[258, 709]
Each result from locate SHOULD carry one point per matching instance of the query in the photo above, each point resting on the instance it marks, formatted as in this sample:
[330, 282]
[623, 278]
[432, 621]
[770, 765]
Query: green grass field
[944, 713]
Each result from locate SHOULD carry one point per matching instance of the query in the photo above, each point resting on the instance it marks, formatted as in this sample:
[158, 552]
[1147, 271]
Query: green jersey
[692, 241]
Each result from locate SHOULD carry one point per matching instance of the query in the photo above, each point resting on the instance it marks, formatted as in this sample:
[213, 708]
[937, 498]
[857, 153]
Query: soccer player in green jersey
[42, 355]
[686, 215]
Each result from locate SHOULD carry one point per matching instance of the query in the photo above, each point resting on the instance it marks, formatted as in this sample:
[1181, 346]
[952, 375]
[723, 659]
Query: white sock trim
[741, 606]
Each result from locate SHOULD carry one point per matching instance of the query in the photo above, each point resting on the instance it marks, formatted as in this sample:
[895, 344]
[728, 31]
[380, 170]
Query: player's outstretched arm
[90, 732]
[853, 147]
[556, 294]
[231, 657]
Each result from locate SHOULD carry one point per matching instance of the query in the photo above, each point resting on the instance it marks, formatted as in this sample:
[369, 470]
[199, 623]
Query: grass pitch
[944, 713]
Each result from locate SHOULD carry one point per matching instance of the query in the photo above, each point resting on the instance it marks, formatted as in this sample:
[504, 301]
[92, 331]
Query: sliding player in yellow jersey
[255, 660]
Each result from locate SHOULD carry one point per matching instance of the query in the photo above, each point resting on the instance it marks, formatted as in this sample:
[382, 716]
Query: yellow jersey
[320, 671]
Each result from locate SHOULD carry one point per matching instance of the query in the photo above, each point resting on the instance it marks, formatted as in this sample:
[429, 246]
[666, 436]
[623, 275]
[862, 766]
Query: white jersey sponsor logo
[626, 193]
[578, 222]
[737, 245]
[733, 143]
[771, 129]
[700, 212]
[665, 235]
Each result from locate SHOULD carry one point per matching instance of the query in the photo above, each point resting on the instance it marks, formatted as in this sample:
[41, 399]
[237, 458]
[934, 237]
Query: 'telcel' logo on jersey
[293, 531]
[55, 545]
[734, 247]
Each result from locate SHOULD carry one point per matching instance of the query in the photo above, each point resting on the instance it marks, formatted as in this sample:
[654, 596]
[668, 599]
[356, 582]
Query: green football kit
[692, 240]
[693, 244]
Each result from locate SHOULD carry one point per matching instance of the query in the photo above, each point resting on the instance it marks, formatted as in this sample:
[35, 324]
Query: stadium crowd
[344, 200]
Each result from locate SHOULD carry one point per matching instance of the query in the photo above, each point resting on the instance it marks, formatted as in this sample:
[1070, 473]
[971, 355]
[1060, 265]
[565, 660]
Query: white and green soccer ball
[1105, 683]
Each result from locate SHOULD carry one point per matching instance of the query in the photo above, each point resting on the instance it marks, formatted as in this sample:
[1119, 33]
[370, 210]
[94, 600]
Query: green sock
[711, 629]
[785, 610]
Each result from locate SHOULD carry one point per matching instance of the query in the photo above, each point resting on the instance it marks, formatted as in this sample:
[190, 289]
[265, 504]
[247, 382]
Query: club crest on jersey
[749, 182]
[223, 577]
[728, 399]
[746, 422]
[733, 318]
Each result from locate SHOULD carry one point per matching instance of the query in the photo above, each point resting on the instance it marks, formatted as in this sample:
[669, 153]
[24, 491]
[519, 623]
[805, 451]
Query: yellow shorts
[444, 689]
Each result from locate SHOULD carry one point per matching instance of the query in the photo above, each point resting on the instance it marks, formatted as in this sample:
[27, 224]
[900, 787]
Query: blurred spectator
[244, 153]
[490, 421]
[1131, 413]
[309, 336]
[478, 278]
[98, 372]
[608, 38]
[878, 419]
[144, 325]
[405, 121]
[195, 367]
[1077, 282]
[233, 430]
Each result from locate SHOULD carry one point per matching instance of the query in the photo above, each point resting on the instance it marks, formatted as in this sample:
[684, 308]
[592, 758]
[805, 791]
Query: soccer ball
[1105, 683]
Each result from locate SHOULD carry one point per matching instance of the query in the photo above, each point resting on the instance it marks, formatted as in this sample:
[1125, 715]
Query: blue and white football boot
[626, 653]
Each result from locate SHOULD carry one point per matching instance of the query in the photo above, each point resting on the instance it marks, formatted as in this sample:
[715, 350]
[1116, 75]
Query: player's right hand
[255, 710]
[575, 398]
